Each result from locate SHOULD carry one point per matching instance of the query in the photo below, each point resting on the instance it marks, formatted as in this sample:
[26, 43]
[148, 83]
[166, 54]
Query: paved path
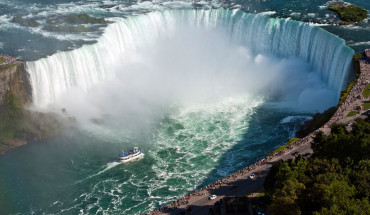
[353, 101]
[200, 204]
[241, 184]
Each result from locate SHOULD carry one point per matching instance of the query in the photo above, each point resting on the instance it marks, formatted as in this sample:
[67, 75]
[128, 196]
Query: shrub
[349, 13]
[366, 105]
[291, 141]
[7, 66]
[358, 56]
[317, 121]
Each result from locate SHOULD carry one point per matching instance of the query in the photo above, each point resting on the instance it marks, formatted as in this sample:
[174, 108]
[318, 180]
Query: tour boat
[131, 155]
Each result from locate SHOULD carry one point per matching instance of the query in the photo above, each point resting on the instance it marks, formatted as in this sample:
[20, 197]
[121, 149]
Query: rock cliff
[14, 79]
[18, 124]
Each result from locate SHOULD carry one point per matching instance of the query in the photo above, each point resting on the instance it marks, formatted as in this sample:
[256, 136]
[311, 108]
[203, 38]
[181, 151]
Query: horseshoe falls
[203, 93]
[82, 68]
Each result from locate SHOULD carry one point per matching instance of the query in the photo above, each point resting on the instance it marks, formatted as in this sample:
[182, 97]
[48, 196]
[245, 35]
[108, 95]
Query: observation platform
[6, 60]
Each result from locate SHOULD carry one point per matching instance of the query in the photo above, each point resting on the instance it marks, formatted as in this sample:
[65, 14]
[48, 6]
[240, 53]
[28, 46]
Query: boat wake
[109, 166]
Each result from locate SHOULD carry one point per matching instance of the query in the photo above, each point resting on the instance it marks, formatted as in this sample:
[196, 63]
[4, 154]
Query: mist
[193, 65]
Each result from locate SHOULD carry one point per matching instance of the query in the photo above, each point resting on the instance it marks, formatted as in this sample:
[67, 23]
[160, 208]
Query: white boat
[131, 155]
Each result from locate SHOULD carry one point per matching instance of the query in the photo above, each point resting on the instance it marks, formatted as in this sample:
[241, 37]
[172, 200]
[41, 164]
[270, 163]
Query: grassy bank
[366, 105]
[7, 66]
[356, 65]
[352, 113]
[291, 141]
[344, 93]
[366, 92]
[318, 120]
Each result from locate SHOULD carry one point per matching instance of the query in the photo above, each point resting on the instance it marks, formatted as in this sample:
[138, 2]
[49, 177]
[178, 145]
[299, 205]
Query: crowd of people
[355, 93]
[6, 60]
[349, 103]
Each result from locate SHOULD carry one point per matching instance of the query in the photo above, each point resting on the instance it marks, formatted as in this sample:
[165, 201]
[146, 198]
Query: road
[201, 204]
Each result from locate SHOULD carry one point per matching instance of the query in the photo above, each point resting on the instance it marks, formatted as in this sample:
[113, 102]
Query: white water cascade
[88, 65]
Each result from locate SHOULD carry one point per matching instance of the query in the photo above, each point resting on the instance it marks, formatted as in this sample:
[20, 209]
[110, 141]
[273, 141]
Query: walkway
[354, 100]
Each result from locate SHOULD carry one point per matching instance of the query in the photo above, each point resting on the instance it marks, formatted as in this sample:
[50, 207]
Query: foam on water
[6, 24]
[295, 14]
[109, 166]
[268, 13]
[360, 43]
[223, 123]
[91, 36]
[187, 145]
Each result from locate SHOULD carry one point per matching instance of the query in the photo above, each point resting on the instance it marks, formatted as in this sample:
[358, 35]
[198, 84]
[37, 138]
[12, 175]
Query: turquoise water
[190, 147]
[200, 106]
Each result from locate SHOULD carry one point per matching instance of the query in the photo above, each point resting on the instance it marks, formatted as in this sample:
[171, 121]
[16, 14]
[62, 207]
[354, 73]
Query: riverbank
[240, 183]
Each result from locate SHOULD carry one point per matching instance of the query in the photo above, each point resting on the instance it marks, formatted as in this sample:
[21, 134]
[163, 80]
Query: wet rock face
[15, 79]
[15, 93]
[18, 125]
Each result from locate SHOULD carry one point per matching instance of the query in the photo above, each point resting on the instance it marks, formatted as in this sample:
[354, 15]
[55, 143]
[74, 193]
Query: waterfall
[88, 65]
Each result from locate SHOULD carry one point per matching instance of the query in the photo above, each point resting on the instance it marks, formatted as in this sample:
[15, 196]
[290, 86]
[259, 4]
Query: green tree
[285, 200]
[361, 178]
[335, 180]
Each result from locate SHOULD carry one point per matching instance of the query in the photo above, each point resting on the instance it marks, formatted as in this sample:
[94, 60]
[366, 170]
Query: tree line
[334, 180]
